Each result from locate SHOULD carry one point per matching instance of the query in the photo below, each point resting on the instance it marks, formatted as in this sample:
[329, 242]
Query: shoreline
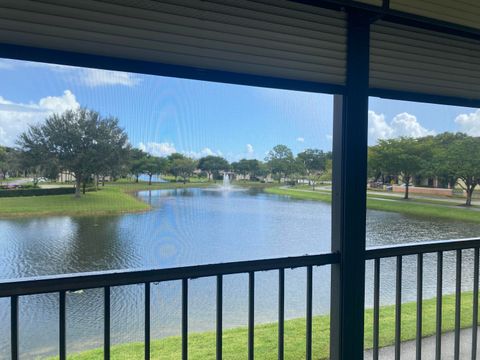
[119, 199]
[412, 207]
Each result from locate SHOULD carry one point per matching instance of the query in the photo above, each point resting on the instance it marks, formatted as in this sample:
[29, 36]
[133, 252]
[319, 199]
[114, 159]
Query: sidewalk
[408, 348]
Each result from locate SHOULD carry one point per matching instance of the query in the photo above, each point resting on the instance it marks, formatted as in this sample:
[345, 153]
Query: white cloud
[158, 149]
[204, 152]
[300, 139]
[250, 149]
[469, 123]
[16, 117]
[378, 127]
[406, 124]
[403, 124]
[166, 148]
[96, 77]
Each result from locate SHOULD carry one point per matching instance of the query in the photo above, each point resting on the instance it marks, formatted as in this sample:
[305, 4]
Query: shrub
[37, 192]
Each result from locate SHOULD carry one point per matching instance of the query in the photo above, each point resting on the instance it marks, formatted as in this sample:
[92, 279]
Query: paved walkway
[408, 348]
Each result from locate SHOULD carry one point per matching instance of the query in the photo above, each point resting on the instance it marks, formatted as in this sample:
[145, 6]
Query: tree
[162, 166]
[241, 167]
[280, 160]
[38, 164]
[246, 167]
[314, 162]
[153, 165]
[254, 168]
[296, 170]
[403, 157]
[137, 162]
[3, 163]
[112, 149]
[439, 166]
[150, 167]
[460, 159]
[212, 165]
[75, 139]
[181, 166]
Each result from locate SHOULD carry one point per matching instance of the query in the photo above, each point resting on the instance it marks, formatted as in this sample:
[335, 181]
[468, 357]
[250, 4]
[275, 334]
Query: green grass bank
[112, 199]
[413, 207]
[202, 345]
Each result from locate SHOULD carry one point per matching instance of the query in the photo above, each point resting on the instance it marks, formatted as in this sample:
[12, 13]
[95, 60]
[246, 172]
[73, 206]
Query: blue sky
[163, 115]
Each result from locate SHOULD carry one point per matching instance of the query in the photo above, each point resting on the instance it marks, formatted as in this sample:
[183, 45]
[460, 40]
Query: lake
[195, 226]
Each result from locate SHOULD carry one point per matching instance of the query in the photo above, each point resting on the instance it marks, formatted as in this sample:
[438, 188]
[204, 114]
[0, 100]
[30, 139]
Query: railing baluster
[398, 307]
[147, 321]
[184, 319]
[281, 313]
[475, 304]
[219, 316]
[62, 327]
[419, 306]
[14, 326]
[438, 334]
[376, 307]
[251, 314]
[458, 299]
[309, 314]
[106, 323]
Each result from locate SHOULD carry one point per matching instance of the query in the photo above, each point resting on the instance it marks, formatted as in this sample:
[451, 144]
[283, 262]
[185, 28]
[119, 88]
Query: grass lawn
[109, 200]
[202, 345]
[415, 207]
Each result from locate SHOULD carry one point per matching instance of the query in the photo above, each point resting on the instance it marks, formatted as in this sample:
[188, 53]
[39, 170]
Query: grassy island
[112, 199]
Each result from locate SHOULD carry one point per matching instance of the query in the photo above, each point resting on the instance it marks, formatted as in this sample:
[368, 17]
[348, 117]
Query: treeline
[450, 158]
[280, 164]
[88, 146]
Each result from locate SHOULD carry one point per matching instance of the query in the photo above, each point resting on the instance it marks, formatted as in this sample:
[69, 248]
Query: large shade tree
[461, 159]
[181, 166]
[280, 160]
[314, 162]
[112, 148]
[11, 162]
[402, 157]
[153, 165]
[137, 161]
[212, 165]
[80, 140]
[251, 167]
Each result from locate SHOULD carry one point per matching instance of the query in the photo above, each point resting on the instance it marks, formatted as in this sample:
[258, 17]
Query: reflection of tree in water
[98, 245]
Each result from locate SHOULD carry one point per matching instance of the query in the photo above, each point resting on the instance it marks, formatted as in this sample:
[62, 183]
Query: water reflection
[195, 226]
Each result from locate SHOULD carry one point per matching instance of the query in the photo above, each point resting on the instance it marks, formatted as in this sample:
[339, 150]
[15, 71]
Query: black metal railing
[419, 249]
[62, 283]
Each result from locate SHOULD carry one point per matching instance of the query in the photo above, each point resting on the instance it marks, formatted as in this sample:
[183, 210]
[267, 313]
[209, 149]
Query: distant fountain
[226, 182]
[226, 187]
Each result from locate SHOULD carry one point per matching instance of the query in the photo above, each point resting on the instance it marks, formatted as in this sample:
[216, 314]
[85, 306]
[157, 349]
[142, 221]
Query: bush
[37, 192]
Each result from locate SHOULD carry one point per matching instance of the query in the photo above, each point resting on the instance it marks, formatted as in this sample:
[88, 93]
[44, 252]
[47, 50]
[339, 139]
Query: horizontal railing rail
[16, 288]
[377, 252]
[98, 279]
[61, 284]
[420, 249]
